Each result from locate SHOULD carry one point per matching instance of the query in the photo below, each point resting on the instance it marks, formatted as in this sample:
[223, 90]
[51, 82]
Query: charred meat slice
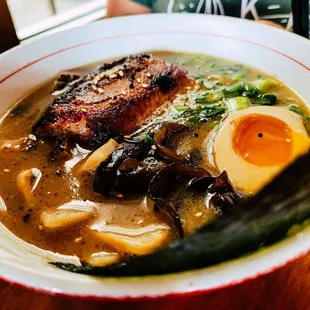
[114, 99]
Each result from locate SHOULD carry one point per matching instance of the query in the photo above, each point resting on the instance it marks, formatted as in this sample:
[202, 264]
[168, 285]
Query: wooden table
[285, 289]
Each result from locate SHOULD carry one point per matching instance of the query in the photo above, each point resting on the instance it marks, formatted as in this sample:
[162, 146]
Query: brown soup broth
[57, 187]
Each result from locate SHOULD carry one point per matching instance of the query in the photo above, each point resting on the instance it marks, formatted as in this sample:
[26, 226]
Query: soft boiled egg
[256, 143]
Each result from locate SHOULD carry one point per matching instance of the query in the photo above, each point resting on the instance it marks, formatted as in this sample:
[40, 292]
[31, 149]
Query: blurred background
[25, 20]
[32, 18]
[28, 13]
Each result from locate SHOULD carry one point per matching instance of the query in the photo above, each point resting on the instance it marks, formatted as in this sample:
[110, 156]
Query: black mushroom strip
[125, 171]
[135, 176]
[165, 181]
[223, 195]
[162, 139]
[132, 166]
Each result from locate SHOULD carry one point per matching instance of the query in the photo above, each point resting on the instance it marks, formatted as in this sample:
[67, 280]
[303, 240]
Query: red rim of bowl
[153, 297]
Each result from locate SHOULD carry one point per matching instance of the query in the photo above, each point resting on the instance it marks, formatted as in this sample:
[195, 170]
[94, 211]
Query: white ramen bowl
[276, 52]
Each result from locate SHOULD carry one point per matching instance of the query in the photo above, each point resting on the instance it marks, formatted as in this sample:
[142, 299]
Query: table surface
[285, 289]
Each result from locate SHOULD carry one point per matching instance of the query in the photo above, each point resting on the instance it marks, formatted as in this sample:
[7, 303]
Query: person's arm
[125, 7]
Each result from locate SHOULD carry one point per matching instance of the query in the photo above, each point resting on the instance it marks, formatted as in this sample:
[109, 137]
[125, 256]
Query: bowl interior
[23, 69]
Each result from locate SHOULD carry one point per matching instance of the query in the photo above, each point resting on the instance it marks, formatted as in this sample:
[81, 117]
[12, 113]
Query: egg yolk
[263, 140]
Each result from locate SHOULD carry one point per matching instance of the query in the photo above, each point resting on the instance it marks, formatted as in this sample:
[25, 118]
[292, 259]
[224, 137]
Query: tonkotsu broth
[54, 190]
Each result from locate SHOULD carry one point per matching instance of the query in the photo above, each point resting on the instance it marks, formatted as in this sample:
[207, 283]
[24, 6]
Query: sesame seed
[288, 140]
[119, 195]
[77, 240]
[153, 147]
[40, 227]
[151, 131]
[148, 74]
[83, 110]
[145, 85]
[94, 87]
[100, 90]
[6, 170]
[113, 75]
[140, 222]
[138, 80]
[198, 214]
[127, 137]
[121, 73]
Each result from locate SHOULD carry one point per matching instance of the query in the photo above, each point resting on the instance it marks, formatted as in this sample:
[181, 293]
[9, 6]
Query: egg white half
[245, 176]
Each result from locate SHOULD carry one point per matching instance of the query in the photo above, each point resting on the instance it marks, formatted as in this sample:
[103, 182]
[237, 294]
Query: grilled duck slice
[115, 99]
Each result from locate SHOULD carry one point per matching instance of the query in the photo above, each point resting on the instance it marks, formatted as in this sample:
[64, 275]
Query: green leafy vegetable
[236, 72]
[218, 67]
[199, 76]
[194, 120]
[201, 98]
[216, 99]
[250, 91]
[295, 108]
[266, 99]
[198, 114]
[189, 60]
[242, 89]
[148, 139]
[210, 111]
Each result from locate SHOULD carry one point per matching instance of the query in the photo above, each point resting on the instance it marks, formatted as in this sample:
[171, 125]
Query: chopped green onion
[209, 84]
[209, 97]
[181, 108]
[237, 103]
[265, 84]
[238, 77]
